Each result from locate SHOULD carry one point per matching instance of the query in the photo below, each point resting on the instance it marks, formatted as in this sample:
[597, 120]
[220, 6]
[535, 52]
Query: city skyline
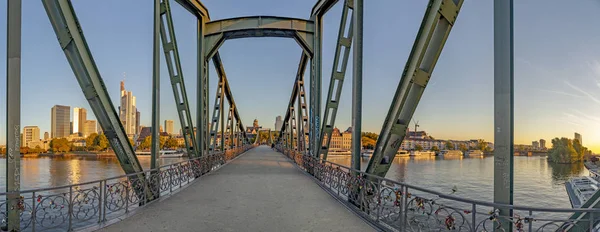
[458, 102]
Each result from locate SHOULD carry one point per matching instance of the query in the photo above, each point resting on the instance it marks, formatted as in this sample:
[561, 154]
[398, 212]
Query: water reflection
[562, 172]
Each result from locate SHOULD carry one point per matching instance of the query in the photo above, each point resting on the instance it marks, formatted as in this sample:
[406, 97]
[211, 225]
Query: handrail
[397, 206]
[93, 203]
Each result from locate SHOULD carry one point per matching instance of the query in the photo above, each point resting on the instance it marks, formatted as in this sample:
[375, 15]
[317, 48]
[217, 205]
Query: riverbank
[69, 154]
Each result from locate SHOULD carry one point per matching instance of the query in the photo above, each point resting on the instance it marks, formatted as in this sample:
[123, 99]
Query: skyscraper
[128, 111]
[79, 118]
[278, 123]
[137, 122]
[578, 137]
[60, 120]
[46, 135]
[30, 134]
[169, 126]
[542, 143]
[89, 127]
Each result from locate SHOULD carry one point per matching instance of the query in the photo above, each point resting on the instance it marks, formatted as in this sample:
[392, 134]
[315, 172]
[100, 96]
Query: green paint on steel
[428, 45]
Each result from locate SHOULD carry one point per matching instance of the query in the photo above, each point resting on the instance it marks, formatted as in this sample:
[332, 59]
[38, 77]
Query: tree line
[565, 150]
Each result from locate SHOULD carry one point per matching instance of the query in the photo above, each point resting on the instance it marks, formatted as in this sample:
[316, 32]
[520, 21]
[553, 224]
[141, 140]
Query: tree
[449, 145]
[171, 143]
[368, 143]
[101, 141]
[418, 147]
[435, 149]
[131, 142]
[90, 142]
[564, 151]
[482, 145]
[462, 147]
[60, 145]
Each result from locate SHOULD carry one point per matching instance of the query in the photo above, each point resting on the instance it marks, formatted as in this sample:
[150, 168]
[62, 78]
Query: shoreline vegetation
[567, 151]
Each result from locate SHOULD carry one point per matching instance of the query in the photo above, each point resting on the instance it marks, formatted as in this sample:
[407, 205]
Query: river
[536, 182]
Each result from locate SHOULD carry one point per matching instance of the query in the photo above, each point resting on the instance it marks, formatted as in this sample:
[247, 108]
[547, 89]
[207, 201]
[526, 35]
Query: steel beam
[503, 109]
[435, 28]
[195, 7]
[295, 89]
[13, 115]
[357, 77]
[155, 150]
[322, 6]
[214, 124]
[218, 31]
[72, 41]
[201, 90]
[338, 73]
[228, 94]
[171, 51]
[315, 88]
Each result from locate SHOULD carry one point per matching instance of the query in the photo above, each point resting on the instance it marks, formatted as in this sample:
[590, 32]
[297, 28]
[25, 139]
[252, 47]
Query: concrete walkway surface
[259, 191]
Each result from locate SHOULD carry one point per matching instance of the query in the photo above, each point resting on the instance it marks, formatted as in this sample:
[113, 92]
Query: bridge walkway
[259, 191]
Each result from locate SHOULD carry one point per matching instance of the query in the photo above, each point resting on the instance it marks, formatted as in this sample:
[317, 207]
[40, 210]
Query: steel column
[338, 72]
[72, 41]
[171, 51]
[222, 109]
[155, 86]
[315, 87]
[214, 124]
[201, 119]
[13, 114]
[503, 108]
[435, 28]
[357, 76]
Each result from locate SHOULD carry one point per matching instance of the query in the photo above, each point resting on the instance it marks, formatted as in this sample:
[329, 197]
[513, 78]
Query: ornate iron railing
[396, 206]
[97, 203]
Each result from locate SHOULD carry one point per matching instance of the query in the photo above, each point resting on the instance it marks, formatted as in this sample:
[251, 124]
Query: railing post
[127, 197]
[404, 208]
[530, 220]
[170, 178]
[100, 195]
[104, 193]
[474, 217]
[591, 221]
[146, 200]
[33, 211]
[70, 208]
[378, 192]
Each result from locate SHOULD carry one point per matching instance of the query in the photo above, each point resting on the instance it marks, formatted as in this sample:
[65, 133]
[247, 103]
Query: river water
[536, 182]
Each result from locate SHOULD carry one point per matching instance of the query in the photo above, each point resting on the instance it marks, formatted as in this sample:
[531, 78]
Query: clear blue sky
[557, 64]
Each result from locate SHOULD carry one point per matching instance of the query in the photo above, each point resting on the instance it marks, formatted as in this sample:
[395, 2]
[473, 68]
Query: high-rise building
[169, 126]
[30, 134]
[46, 135]
[278, 123]
[128, 111]
[60, 118]
[79, 118]
[542, 143]
[535, 145]
[137, 122]
[89, 127]
[578, 137]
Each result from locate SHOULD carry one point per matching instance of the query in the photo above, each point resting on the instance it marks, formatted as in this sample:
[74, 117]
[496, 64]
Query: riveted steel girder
[72, 41]
[228, 94]
[430, 40]
[322, 6]
[338, 73]
[218, 31]
[217, 112]
[13, 116]
[171, 51]
[295, 91]
[195, 7]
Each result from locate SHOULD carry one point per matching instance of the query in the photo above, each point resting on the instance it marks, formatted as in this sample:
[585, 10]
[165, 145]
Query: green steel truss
[72, 41]
[171, 51]
[338, 72]
[435, 28]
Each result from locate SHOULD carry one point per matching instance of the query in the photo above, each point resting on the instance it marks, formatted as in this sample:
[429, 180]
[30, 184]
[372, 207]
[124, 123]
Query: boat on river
[474, 154]
[402, 153]
[422, 153]
[581, 189]
[451, 153]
